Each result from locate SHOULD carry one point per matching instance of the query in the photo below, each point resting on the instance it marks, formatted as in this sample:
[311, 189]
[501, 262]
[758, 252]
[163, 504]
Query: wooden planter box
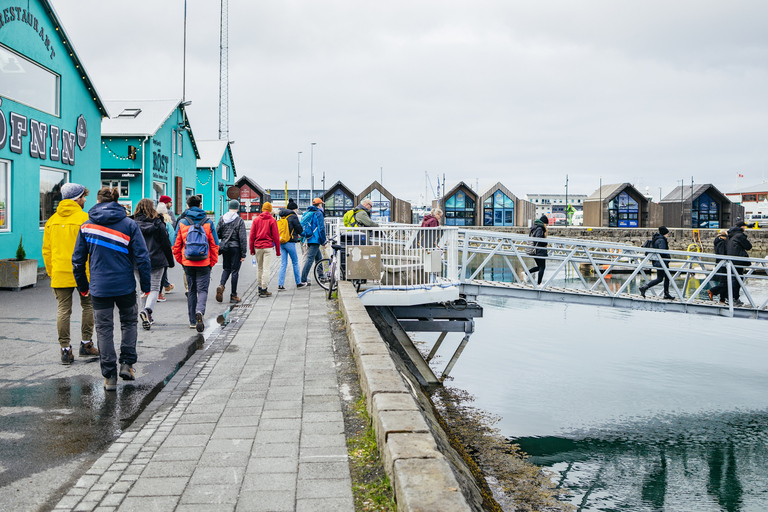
[17, 274]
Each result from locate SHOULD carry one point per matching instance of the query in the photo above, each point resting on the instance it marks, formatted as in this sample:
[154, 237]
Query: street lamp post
[311, 170]
[566, 200]
[298, 183]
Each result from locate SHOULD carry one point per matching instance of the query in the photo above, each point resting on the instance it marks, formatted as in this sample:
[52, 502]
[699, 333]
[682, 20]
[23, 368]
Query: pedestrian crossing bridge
[452, 260]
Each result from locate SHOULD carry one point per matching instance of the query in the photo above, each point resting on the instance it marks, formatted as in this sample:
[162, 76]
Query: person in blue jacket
[112, 244]
[313, 231]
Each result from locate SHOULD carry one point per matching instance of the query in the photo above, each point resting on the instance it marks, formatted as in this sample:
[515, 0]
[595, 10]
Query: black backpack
[648, 244]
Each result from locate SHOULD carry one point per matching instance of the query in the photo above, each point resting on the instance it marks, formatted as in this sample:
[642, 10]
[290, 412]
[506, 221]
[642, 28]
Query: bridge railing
[586, 265]
[410, 255]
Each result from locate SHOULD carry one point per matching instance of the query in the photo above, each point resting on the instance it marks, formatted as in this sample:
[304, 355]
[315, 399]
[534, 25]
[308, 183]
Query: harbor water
[630, 410]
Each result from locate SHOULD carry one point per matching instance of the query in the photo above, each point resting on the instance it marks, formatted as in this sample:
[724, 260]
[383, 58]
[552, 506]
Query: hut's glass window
[382, 207]
[499, 210]
[623, 212]
[337, 204]
[29, 83]
[705, 212]
[5, 195]
[459, 210]
[120, 185]
[51, 181]
[224, 172]
[158, 189]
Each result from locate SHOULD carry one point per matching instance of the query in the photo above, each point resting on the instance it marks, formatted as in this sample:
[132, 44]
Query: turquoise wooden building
[148, 150]
[215, 173]
[50, 123]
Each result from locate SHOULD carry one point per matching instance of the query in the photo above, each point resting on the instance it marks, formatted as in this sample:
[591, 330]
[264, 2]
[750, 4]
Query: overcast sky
[522, 92]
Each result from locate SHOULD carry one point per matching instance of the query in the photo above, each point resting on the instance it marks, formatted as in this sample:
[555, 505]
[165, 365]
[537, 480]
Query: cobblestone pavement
[253, 422]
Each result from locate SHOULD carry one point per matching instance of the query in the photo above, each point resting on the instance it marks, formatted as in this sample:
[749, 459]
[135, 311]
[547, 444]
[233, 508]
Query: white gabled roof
[211, 153]
[152, 115]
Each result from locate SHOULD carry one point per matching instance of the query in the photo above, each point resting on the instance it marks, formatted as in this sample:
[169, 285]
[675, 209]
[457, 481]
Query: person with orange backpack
[289, 227]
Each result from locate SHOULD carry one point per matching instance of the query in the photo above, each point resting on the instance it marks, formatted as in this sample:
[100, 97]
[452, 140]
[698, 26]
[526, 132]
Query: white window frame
[179, 142]
[119, 182]
[52, 169]
[57, 78]
[165, 188]
[7, 226]
[224, 172]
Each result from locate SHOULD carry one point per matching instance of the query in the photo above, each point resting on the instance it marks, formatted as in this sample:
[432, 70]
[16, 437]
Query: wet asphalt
[56, 419]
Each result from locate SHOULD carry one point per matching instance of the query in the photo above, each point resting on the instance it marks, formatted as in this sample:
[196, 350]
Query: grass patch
[370, 485]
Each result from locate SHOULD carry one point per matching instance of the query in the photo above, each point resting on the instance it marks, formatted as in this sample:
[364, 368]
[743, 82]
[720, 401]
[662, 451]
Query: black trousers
[541, 265]
[660, 276]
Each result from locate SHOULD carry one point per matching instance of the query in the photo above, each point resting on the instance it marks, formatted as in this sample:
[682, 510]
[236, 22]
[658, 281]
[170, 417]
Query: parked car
[556, 219]
[577, 219]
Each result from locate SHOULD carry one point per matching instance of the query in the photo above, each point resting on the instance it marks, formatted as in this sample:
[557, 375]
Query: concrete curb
[421, 476]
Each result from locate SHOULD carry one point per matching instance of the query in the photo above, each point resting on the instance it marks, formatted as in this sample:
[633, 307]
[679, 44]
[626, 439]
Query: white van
[577, 219]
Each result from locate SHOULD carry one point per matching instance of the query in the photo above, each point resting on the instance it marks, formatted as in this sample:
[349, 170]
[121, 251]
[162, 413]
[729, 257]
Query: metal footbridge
[426, 279]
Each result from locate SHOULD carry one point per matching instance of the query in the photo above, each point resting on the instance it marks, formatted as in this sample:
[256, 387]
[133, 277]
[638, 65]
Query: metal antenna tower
[224, 73]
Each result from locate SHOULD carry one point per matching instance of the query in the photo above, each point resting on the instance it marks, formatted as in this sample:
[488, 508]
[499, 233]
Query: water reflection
[632, 410]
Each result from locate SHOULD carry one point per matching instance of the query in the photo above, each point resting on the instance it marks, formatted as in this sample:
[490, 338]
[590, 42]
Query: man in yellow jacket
[59, 237]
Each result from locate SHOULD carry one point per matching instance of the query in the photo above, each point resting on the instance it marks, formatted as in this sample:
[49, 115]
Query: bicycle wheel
[322, 272]
[332, 281]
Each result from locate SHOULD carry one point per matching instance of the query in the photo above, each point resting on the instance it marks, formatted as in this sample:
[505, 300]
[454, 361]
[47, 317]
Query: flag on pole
[741, 175]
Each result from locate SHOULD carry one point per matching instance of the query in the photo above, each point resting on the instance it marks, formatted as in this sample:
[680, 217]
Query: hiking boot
[643, 289]
[88, 349]
[281, 288]
[126, 372]
[220, 293]
[302, 285]
[67, 356]
[264, 293]
[110, 383]
[169, 288]
[738, 304]
[146, 321]
[161, 298]
[711, 295]
[199, 324]
[234, 299]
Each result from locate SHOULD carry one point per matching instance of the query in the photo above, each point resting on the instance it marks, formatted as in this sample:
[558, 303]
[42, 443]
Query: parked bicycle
[328, 271]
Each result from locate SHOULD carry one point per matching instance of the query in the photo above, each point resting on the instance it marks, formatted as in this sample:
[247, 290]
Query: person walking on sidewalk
[167, 205]
[539, 230]
[721, 279]
[111, 244]
[659, 242]
[59, 239]
[289, 248]
[313, 231]
[264, 236]
[197, 249]
[233, 249]
[738, 245]
[160, 254]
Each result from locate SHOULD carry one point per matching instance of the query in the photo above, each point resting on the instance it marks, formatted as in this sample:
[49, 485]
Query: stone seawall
[679, 239]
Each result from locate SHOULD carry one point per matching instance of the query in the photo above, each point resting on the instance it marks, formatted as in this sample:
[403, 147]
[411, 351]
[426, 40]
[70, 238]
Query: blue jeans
[103, 317]
[313, 255]
[198, 279]
[288, 249]
[231, 265]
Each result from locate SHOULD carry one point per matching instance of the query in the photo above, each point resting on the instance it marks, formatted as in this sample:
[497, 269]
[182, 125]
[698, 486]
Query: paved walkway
[253, 422]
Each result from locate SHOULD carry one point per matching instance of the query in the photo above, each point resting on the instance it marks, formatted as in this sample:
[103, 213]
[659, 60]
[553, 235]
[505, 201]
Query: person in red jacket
[197, 270]
[264, 236]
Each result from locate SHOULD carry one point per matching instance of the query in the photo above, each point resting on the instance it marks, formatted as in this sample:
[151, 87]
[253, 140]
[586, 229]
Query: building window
[224, 172]
[121, 185]
[460, 210]
[382, 207]
[27, 82]
[623, 212]
[705, 212]
[158, 189]
[749, 198]
[189, 192]
[5, 195]
[337, 204]
[499, 210]
[180, 142]
[51, 181]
